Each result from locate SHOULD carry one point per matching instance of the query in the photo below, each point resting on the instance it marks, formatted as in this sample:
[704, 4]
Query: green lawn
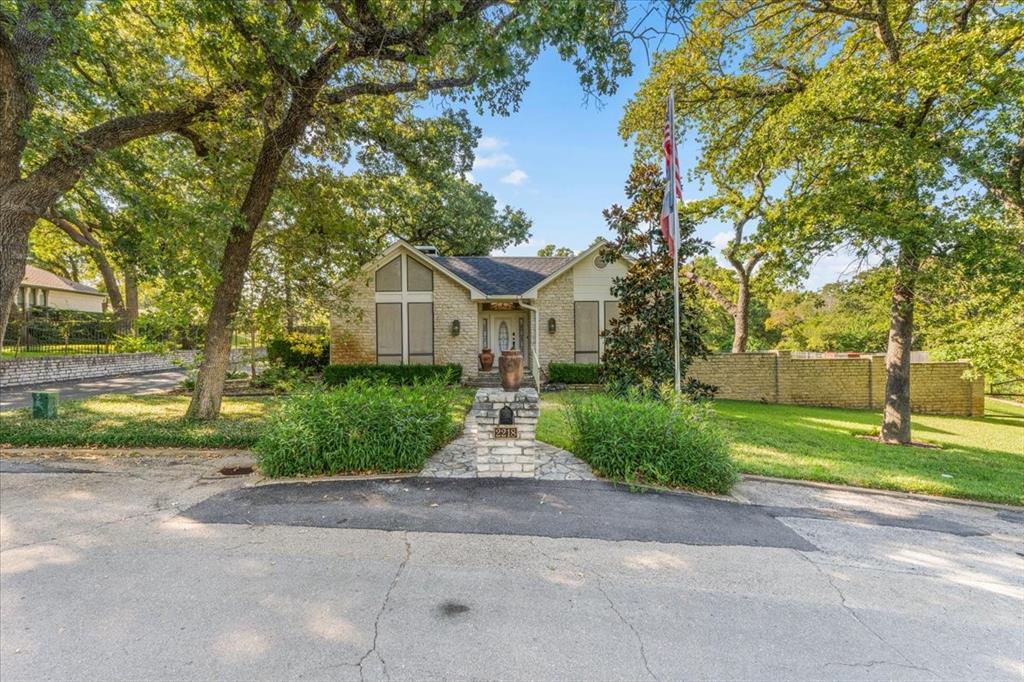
[138, 421]
[982, 457]
[50, 350]
[151, 421]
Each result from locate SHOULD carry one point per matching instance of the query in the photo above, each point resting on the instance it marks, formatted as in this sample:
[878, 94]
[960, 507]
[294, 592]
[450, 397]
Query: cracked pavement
[105, 574]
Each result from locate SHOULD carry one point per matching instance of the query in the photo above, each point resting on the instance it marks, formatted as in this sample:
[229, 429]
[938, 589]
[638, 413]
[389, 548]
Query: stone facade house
[411, 305]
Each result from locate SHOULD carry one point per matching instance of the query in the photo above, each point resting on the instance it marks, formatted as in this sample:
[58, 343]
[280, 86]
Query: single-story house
[46, 290]
[411, 305]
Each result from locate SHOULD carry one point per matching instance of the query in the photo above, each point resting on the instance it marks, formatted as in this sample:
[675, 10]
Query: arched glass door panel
[503, 339]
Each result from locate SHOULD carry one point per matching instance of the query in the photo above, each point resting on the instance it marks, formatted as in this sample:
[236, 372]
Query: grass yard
[980, 458]
[152, 421]
[50, 350]
[138, 421]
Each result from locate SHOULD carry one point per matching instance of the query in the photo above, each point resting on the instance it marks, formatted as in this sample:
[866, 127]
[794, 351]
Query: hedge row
[396, 375]
[569, 373]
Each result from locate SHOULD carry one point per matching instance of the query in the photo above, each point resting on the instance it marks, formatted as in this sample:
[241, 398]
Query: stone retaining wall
[27, 371]
[859, 383]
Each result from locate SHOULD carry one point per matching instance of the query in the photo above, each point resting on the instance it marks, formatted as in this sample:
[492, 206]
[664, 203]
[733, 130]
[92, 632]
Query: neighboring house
[412, 306]
[47, 290]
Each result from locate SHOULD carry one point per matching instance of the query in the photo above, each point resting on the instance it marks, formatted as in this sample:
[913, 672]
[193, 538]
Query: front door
[507, 329]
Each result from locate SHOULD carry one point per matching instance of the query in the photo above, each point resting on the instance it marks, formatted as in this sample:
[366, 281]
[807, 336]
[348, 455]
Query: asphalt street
[161, 568]
[14, 397]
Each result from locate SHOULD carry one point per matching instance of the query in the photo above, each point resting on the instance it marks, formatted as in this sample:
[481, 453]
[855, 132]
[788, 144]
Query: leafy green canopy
[896, 128]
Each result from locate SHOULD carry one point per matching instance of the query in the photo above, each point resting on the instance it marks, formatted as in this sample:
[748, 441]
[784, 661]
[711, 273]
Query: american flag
[673, 179]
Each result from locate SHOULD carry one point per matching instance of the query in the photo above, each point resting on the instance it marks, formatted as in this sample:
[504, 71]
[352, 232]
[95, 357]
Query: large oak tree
[898, 121]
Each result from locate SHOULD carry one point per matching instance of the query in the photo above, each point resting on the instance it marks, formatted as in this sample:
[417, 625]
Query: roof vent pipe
[428, 250]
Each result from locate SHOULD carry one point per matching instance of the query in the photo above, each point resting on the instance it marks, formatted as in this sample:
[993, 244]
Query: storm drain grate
[236, 471]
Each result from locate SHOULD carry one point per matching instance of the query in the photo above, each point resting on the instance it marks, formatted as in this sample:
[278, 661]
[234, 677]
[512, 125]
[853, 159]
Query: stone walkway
[458, 460]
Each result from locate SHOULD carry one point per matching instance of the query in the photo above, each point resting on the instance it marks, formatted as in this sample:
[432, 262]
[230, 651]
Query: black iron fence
[46, 331]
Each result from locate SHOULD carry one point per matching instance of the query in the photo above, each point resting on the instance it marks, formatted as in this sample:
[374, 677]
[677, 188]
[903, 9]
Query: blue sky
[560, 158]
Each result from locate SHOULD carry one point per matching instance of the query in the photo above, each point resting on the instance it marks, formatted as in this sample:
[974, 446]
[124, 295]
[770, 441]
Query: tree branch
[198, 144]
[342, 94]
[713, 291]
[37, 191]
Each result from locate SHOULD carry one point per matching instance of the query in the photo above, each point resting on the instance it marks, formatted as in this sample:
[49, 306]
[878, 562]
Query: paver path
[457, 460]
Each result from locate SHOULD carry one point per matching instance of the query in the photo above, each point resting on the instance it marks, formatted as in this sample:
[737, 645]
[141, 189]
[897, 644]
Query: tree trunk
[289, 310]
[217, 347]
[277, 146]
[896, 415]
[131, 297]
[741, 317]
[109, 279]
[14, 229]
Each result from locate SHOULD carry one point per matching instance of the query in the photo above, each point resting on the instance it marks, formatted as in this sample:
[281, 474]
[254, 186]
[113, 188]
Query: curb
[919, 497]
[263, 480]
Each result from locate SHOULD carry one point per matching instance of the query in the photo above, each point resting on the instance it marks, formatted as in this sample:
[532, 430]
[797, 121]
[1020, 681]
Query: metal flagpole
[675, 240]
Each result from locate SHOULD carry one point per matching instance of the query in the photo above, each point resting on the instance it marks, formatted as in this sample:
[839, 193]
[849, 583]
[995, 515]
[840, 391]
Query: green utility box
[44, 404]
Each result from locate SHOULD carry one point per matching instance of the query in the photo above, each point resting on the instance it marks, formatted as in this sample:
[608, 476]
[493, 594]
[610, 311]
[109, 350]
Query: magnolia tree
[899, 124]
[639, 345]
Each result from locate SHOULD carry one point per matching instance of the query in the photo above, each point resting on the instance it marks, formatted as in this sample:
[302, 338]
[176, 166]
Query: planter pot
[510, 366]
[486, 360]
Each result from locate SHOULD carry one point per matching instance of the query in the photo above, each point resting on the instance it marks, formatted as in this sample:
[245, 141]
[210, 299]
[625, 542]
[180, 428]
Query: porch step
[492, 379]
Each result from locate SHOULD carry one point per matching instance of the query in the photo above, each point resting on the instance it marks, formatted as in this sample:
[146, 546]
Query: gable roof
[44, 279]
[502, 275]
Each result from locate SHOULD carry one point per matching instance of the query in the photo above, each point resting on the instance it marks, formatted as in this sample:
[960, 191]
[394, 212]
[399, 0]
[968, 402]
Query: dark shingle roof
[501, 275]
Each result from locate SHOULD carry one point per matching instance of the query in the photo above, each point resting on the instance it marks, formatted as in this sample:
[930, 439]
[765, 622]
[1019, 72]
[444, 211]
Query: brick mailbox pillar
[506, 427]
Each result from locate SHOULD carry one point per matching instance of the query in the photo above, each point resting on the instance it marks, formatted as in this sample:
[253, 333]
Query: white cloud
[516, 177]
[489, 144]
[721, 240]
[496, 160]
[469, 177]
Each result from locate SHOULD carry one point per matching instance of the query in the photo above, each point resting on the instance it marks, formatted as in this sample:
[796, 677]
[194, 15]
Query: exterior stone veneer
[354, 329]
[556, 301]
[452, 302]
[507, 458]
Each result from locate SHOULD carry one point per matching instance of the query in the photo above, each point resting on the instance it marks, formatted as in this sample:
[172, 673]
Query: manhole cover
[236, 471]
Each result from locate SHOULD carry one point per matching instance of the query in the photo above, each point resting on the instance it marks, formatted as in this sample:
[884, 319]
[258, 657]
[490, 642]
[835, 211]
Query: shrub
[136, 343]
[570, 373]
[672, 443]
[358, 428]
[298, 349]
[396, 375]
[280, 378]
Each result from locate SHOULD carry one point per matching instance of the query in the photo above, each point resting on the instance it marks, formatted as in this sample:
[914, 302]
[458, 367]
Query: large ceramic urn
[510, 366]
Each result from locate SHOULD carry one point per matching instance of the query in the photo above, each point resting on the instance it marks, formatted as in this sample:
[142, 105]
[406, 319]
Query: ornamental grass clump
[361, 427]
[669, 443]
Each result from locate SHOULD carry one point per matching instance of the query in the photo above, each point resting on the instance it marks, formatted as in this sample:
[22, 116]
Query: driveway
[13, 397]
[161, 568]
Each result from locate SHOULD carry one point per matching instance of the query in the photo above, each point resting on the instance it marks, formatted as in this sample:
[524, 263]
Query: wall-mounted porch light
[456, 327]
[552, 325]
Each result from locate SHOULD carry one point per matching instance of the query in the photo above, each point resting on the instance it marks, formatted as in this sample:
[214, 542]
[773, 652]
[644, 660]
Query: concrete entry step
[492, 379]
